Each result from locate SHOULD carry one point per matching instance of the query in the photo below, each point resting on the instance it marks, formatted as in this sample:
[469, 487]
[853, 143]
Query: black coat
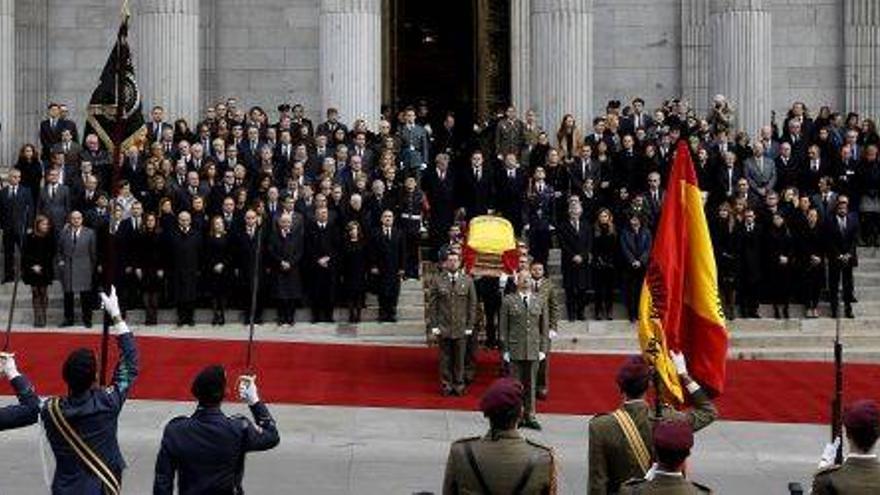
[321, 243]
[38, 250]
[16, 212]
[388, 255]
[727, 243]
[218, 254]
[289, 248]
[149, 258]
[185, 252]
[476, 196]
[575, 276]
[354, 267]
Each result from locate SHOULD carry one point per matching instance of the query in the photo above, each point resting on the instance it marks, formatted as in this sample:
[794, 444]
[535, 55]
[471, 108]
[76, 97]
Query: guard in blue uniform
[82, 426]
[25, 412]
[206, 451]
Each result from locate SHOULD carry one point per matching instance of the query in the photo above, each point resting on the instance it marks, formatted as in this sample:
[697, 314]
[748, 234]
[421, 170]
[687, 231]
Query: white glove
[553, 334]
[468, 332]
[111, 303]
[541, 356]
[651, 472]
[506, 357]
[218, 268]
[829, 454]
[247, 389]
[679, 362]
[7, 365]
[435, 332]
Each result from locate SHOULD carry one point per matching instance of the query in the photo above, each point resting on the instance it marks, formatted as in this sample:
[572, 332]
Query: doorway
[454, 55]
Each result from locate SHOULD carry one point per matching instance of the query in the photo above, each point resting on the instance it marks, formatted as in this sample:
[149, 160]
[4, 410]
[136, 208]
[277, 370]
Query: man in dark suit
[510, 192]
[842, 232]
[540, 213]
[285, 252]
[727, 178]
[476, 187]
[249, 149]
[361, 148]
[788, 170]
[575, 240]
[98, 158]
[825, 200]
[55, 201]
[439, 186]
[751, 265]
[628, 167]
[185, 254]
[638, 119]
[387, 263]
[157, 124]
[582, 168]
[322, 253]
[249, 246]
[653, 201]
[70, 148]
[814, 169]
[51, 127]
[16, 214]
[329, 126]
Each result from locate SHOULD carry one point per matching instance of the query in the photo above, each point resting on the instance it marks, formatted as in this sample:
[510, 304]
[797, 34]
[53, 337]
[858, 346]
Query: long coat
[524, 330]
[575, 276]
[39, 250]
[184, 252]
[452, 305]
[289, 248]
[76, 259]
[56, 207]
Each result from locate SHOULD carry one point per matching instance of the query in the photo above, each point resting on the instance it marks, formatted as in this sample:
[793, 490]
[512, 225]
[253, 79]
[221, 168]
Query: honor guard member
[524, 322]
[25, 412]
[548, 292]
[206, 450]
[503, 461]
[673, 440]
[82, 426]
[860, 472]
[621, 443]
[452, 311]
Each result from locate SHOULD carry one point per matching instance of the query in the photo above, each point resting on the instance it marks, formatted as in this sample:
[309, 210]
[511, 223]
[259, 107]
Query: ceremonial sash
[636, 443]
[112, 484]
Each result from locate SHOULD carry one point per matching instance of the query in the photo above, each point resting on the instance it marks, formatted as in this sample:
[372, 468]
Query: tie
[511, 174]
[52, 192]
[843, 225]
[388, 234]
[525, 301]
[134, 223]
[74, 236]
[576, 226]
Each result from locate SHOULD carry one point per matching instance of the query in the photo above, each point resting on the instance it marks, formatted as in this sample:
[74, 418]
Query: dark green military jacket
[663, 485]
[612, 462]
[550, 295]
[452, 306]
[857, 476]
[524, 330]
[502, 460]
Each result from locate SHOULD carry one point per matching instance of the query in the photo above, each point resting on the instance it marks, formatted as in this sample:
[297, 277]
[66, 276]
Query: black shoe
[848, 312]
[785, 311]
[66, 323]
[87, 323]
[776, 312]
[445, 391]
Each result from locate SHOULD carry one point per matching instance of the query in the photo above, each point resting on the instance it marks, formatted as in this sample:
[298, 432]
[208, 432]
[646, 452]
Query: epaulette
[634, 481]
[828, 469]
[701, 488]
[466, 439]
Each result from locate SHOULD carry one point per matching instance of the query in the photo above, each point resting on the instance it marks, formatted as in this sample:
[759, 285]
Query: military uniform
[612, 461]
[502, 459]
[452, 309]
[857, 475]
[524, 336]
[25, 412]
[663, 484]
[545, 290]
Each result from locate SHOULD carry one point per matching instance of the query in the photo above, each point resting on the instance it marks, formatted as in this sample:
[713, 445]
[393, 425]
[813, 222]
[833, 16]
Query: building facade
[556, 56]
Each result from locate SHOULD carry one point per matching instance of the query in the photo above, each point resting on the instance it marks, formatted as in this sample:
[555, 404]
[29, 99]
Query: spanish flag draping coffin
[490, 247]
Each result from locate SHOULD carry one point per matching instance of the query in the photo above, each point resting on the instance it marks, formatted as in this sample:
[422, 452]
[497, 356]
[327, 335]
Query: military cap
[503, 395]
[673, 436]
[634, 370]
[862, 415]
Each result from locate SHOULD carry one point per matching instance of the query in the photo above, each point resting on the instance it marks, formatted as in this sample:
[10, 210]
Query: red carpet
[354, 375]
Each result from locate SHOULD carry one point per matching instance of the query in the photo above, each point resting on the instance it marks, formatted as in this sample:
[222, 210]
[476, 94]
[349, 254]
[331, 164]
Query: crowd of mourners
[243, 202]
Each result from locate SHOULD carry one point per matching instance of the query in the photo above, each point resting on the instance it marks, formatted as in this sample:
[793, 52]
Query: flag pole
[20, 245]
[255, 281]
[837, 400]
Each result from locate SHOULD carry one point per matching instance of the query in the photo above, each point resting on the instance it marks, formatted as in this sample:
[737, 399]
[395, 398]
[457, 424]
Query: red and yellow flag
[680, 307]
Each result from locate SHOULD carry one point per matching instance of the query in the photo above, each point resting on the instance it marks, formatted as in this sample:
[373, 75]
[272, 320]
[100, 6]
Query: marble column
[861, 32]
[350, 55]
[520, 56]
[7, 81]
[167, 57]
[741, 59]
[695, 54]
[31, 64]
[561, 61]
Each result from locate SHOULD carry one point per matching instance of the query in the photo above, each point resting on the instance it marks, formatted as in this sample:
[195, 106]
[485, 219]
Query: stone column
[350, 55]
[695, 54]
[31, 64]
[520, 56]
[741, 59]
[862, 56]
[167, 57]
[562, 60]
[7, 81]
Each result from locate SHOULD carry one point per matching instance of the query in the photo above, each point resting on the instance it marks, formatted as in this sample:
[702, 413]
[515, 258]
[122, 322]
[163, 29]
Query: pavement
[350, 450]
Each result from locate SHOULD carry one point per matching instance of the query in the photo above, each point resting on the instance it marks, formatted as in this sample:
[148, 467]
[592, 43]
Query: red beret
[862, 415]
[635, 369]
[673, 435]
[504, 394]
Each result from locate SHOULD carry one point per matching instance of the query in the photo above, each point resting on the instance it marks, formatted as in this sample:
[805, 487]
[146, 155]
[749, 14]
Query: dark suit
[50, 135]
[441, 201]
[185, 252]
[388, 256]
[245, 255]
[842, 242]
[575, 240]
[16, 215]
[540, 214]
[55, 207]
[726, 179]
[288, 282]
[154, 130]
[510, 194]
[475, 194]
[320, 243]
[751, 265]
[635, 247]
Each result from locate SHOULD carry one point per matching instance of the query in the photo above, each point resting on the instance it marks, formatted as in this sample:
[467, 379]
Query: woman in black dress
[354, 270]
[726, 239]
[811, 262]
[780, 259]
[218, 267]
[605, 249]
[36, 266]
[31, 169]
[149, 266]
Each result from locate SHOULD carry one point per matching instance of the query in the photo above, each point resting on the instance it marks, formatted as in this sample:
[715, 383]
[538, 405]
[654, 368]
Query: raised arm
[127, 367]
[263, 435]
[27, 410]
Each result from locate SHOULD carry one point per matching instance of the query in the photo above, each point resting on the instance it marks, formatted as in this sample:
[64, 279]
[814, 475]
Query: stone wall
[266, 51]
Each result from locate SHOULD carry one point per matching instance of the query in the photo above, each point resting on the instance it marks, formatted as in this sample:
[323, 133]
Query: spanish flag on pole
[680, 308]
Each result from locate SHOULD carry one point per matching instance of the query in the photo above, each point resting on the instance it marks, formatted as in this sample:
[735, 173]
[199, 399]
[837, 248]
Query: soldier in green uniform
[673, 439]
[860, 472]
[621, 445]
[452, 311]
[524, 335]
[503, 461]
[545, 289]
